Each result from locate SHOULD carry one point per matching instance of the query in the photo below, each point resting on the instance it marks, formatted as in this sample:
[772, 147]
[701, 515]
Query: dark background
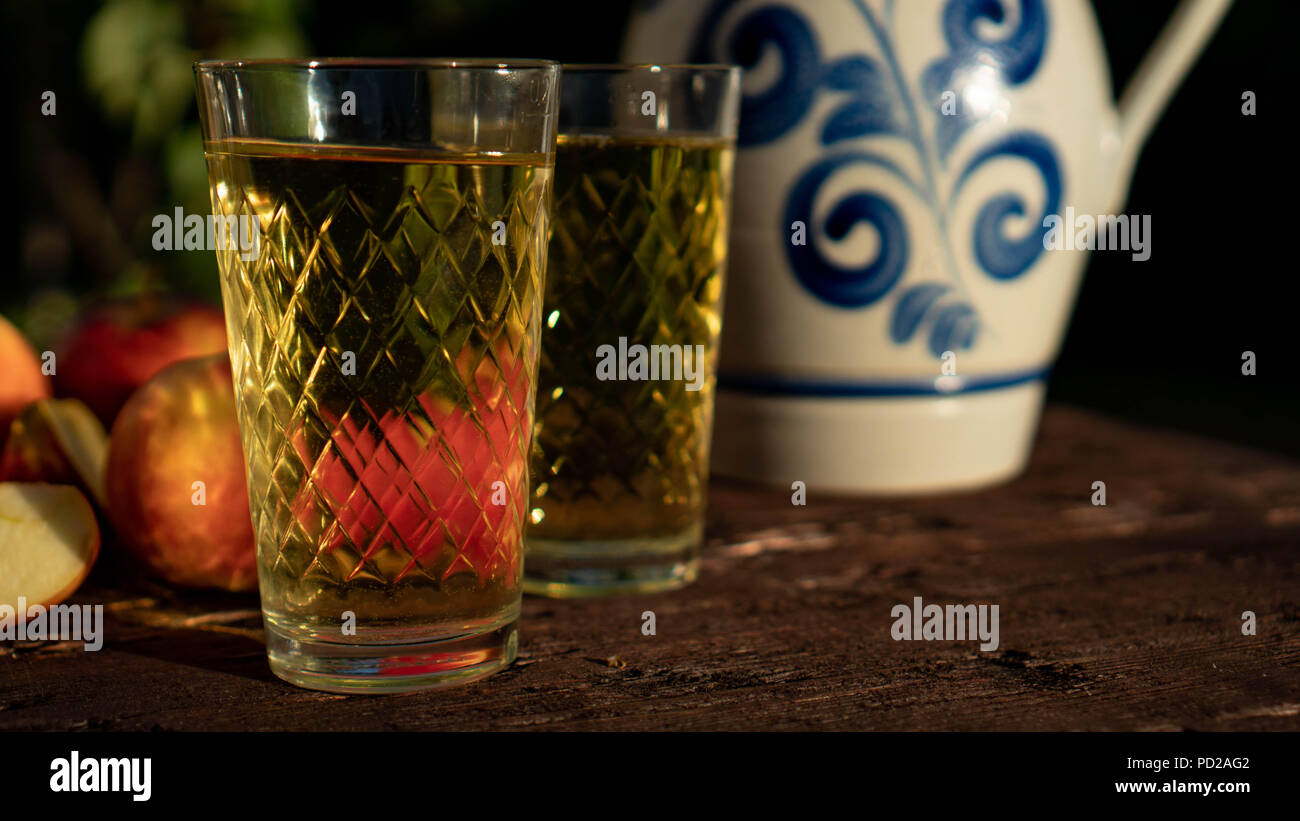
[1158, 341]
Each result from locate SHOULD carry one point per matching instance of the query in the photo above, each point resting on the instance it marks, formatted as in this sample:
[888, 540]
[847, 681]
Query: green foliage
[137, 63]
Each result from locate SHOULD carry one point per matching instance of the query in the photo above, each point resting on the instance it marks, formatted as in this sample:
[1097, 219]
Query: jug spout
[1157, 78]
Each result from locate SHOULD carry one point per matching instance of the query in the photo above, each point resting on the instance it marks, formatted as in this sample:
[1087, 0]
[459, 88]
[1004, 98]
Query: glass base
[565, 569]
[391, 667]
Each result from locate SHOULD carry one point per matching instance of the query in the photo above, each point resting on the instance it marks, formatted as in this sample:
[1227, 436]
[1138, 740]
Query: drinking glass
[633, 311]
[383, 335]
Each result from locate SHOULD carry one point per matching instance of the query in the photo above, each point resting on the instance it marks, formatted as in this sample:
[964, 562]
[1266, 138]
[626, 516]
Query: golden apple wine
[636, 264]
[384, 339]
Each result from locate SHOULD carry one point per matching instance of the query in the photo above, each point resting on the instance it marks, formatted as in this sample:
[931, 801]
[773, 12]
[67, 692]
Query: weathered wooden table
[1120, 617]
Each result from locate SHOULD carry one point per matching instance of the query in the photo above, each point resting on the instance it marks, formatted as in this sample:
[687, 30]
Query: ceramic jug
[895, 299]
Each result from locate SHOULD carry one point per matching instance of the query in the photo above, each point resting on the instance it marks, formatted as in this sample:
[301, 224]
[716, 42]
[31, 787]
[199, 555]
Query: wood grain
[1123, 617]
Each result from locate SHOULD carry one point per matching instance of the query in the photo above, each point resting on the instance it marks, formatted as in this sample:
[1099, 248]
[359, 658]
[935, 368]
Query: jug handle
[1153, 84]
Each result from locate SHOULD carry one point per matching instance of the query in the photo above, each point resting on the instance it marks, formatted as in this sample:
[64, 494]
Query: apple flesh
[49, 540]
[58, 441]
[177, 431]
[118, 346]
[22, 381]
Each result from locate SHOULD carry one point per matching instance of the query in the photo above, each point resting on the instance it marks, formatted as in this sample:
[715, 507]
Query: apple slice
[48, 542]
[57, 441]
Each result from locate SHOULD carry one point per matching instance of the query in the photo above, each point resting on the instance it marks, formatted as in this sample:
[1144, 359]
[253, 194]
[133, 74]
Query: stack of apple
[169, 480]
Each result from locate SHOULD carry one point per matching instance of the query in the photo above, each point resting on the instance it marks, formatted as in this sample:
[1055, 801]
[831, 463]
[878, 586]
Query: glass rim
[676, 68]
[375, 63]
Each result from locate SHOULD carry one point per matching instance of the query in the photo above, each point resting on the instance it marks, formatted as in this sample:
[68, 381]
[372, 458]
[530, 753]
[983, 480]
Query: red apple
[21, 379]
[118, 346]
[179, 430]
[428, 478]
[49, 539]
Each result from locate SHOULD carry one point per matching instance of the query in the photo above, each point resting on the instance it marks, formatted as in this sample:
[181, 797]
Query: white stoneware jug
[893, 309]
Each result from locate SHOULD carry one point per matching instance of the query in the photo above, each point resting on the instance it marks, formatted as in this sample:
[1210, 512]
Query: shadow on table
[220, 651]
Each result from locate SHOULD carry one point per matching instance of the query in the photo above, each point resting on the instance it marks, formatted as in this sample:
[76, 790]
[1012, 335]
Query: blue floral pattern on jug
[876, 101]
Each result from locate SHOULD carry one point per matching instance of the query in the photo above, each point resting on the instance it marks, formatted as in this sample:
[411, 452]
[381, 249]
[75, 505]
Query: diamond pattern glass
[633, 314]
[384, 338]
